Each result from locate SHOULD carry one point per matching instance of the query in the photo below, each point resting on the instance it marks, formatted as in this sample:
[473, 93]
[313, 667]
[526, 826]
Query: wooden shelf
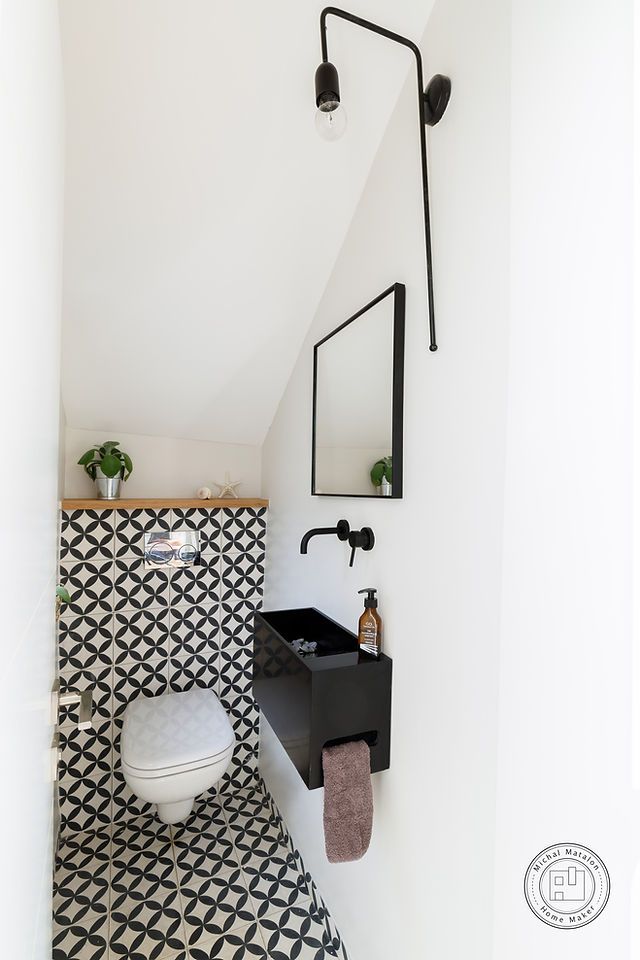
[161, 504]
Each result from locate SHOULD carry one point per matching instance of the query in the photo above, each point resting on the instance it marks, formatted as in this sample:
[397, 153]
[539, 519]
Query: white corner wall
[31, 180]
[437, 560]
[505, 573]
[165, 466]
[565, 656]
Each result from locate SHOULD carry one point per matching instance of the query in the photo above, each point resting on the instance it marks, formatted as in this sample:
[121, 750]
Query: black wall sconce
[432, 103]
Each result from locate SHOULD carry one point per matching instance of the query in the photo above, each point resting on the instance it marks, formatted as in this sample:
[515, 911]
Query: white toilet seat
[173, 771]
[175, 732]
[174, 747]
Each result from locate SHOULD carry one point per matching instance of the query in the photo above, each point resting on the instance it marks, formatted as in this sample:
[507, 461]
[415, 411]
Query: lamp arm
[383, 32]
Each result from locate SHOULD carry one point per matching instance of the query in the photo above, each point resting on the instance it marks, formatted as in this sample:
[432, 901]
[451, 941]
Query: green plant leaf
[110, 465]
[377, 473]
[128, 465]
[110, 446]
[86, 457]
[62, 594]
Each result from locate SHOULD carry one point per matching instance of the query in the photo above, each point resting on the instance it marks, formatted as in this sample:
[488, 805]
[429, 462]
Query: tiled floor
[226, 885]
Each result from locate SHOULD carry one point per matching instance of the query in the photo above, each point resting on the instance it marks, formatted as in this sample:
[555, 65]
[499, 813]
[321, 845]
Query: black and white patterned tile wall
[131, 632]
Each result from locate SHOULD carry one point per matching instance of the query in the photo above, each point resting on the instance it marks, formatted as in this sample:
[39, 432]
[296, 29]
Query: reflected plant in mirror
[382, 476]
[358, 385]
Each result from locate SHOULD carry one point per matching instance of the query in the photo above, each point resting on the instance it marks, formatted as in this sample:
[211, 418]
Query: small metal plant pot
[384, 490]
[108, 487]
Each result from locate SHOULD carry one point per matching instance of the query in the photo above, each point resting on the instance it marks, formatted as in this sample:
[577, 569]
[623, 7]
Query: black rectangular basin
[338, 694]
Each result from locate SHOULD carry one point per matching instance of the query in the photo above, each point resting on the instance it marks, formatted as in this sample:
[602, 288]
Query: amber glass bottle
[370, 625]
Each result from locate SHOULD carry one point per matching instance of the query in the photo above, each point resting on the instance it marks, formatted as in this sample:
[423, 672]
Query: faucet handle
[364, 539]
[343, 530]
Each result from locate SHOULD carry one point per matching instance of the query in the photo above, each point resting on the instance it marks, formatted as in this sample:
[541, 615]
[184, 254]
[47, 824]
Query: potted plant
[381, 476]
[107, 465]
[62, 596]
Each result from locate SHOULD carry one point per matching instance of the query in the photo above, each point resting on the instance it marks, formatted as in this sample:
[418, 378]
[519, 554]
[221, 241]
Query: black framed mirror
[358, 389]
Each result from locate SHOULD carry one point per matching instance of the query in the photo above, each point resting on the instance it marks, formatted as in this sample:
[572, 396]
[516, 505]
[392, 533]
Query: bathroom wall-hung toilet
[175, 747]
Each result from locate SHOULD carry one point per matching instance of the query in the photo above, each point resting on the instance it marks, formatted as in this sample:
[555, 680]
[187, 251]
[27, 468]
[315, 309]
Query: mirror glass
[358, 387]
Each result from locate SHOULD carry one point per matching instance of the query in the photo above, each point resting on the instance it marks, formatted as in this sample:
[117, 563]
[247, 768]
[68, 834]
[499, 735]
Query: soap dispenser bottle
[370, 624]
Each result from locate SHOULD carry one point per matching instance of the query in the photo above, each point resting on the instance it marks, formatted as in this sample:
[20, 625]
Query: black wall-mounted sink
[335, 695]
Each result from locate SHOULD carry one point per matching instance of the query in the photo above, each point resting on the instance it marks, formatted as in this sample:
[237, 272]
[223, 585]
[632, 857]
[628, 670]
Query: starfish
[228, 488]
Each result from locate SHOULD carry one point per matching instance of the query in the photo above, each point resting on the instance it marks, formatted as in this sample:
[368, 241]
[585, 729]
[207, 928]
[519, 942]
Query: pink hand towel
[348, 801]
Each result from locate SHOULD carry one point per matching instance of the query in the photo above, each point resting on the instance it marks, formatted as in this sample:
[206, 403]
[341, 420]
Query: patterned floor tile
[142, 872]
[248, 803]
[85, 941]
[141, 833]
[276, 883]
[207, 815]
[297, 933]
[79, 895]
[333, 942]
[215, 906]
[128, 888]
[240, 944]
[227, 884]
[85, 851]
[257, 839]
[149, 928]
[205, 854]
[155, 858]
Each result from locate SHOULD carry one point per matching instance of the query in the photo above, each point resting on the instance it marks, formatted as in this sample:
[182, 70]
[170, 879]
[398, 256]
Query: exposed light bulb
[331, 120]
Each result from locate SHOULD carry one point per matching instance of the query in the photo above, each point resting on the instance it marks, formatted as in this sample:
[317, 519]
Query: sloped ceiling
[203, 214]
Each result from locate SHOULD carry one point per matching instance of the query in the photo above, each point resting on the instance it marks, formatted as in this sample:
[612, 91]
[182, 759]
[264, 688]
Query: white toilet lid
[175, 730]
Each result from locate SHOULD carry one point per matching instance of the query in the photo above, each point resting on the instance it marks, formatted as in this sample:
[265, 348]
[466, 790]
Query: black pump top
[371, 599]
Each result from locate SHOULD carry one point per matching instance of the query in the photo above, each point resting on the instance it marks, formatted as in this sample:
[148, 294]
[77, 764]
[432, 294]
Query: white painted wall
[565, 654]
[437, 560]
[31, 168]
[190, 273]
[505, 573]
[165, 466]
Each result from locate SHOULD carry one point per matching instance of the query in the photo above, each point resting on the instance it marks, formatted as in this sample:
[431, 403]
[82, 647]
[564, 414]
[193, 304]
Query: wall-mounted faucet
[357, 538]
[341, 531]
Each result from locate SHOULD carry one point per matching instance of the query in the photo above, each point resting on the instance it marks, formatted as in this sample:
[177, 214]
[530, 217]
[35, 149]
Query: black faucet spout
[316, 532]
[341, 531]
